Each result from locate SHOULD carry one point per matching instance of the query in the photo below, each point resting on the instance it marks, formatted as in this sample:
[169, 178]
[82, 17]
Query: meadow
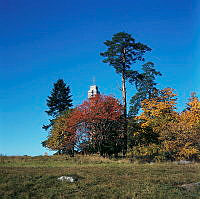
[37, 177]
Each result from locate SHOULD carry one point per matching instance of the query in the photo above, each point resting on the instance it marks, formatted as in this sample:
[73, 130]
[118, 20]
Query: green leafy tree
[58, 102]
[122, 52]
[146, 87]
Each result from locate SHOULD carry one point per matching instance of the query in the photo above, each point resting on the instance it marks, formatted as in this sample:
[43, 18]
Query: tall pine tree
[122, 52]
[58, 102]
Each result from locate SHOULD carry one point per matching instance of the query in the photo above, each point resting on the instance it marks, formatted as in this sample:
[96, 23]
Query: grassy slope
[26, 177]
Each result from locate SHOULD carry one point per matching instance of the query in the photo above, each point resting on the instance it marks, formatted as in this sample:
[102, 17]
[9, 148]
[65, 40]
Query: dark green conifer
[146, 87]
[58, 102]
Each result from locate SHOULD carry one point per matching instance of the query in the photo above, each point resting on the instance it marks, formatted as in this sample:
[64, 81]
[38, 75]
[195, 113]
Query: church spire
[93, 81]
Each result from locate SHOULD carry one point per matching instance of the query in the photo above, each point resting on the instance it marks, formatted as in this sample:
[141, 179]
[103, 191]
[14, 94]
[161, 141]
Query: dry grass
[36, 177]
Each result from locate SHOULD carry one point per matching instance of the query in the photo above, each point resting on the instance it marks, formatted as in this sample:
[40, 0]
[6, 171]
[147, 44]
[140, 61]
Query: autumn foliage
[61, 137]
[177, 134]
[158, 133]
[97, 123]
[94, 126]
[187, 132]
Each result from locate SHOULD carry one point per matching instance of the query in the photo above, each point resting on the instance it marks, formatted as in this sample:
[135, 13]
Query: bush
[151, 152]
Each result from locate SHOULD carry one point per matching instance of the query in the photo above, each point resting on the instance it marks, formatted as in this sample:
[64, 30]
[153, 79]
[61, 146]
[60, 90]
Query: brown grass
[36, 177]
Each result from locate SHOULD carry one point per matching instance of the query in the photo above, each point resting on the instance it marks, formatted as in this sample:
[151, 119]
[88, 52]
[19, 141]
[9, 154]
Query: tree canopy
[99, 119]
[177, 134]
[145, 86]
[100, 124]
[122, 52]
[59, 101]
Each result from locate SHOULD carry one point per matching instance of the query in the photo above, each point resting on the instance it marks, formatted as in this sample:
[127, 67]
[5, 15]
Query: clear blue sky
[41, 41]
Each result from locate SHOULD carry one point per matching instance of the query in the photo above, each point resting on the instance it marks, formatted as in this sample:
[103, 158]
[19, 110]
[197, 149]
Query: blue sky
[41, 41]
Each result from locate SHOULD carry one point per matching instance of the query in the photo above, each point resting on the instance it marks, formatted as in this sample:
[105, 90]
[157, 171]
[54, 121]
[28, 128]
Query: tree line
[102, 125]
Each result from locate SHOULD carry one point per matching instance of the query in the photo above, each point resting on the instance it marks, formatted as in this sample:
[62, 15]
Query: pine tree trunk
[125, 113]
[124, 94]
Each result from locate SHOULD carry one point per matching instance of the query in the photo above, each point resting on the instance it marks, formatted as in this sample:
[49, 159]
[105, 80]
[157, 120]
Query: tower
[93, 91]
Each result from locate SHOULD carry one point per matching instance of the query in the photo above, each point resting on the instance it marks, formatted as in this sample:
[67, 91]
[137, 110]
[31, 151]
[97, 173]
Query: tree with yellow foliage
[155, 122]
[178, 134]
[187, 132]
[61, 137]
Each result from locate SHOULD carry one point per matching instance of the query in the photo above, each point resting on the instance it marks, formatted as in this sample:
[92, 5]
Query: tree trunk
[124, 94]
[125, 113]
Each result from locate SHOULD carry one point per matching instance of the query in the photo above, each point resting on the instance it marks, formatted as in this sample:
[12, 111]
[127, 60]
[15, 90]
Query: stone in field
[67, 178]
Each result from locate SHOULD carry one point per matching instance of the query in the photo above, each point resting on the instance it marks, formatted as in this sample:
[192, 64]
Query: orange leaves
[179, 133]
[162, 105]
[98, 108]
[189, 123]
[98, 122]
[95, 115]
[188, 152]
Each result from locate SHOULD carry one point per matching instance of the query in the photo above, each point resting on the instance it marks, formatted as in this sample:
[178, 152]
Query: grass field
[36, 177]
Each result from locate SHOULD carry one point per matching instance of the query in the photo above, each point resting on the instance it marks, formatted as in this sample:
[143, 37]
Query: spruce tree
[58, 102]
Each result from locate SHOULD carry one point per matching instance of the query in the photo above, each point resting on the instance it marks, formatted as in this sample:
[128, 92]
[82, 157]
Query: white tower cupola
[93, 91]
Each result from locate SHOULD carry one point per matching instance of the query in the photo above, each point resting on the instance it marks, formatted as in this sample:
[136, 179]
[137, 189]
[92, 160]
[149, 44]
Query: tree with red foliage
[98, 122]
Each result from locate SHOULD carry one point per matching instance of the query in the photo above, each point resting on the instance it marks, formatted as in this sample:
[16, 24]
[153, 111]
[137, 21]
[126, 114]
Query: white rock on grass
[183, 162]
[191, 186]
[67, 178]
